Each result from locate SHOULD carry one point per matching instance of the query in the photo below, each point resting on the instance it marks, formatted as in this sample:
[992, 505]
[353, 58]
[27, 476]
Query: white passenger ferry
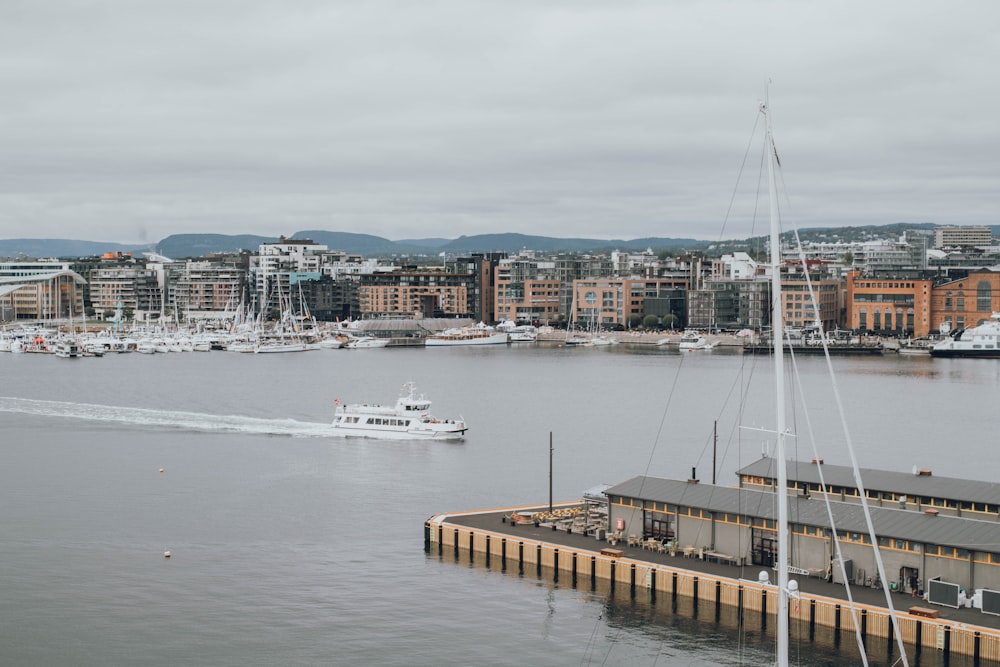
[409, 419]
[981, 341]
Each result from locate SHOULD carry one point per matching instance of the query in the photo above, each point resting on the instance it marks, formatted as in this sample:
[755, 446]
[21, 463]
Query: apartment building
[611, 302]
[417, 294]
[136, 286]
[957, 237]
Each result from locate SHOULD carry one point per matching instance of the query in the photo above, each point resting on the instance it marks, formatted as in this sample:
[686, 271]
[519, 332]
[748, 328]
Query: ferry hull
[411, 434]
[968, 354]
[496, 339]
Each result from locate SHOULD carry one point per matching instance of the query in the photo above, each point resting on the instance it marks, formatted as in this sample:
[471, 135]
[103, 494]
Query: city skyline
[129, 123]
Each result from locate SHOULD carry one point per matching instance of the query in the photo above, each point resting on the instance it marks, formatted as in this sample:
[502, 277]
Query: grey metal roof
[430, 324]
[973, 534]
[882, 480]
[42, 277]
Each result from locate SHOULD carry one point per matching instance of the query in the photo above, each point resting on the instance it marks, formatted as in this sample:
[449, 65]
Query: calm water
[293, 548]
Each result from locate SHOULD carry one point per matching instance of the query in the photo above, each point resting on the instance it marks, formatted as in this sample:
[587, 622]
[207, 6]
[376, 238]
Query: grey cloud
[462, 117]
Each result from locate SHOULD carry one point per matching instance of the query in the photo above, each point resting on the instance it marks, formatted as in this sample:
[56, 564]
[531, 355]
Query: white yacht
[68, 349]
[980, 341]
[518, 333]
[693, 340]
[409, 419]
[477, 335]
[365, 343]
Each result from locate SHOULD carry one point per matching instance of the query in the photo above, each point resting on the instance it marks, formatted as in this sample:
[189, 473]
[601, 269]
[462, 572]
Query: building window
[984, 297]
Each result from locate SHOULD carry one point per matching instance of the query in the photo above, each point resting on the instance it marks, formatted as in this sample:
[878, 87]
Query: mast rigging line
[838, 400]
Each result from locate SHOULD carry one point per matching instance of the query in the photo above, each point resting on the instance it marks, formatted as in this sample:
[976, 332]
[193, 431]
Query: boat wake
[192, 421]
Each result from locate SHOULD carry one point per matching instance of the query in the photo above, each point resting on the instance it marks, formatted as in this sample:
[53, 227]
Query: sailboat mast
[777, 332]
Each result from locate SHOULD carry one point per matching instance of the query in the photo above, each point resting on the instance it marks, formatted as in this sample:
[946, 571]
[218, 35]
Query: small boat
[68, 349]
[365, 342]
[603, 340]
[518, 333]
[409, 419]
[331, 343]
[578, 341]
[979, 342]
[524, 333]
[94, 349]
[278, 346]
[694, 340]
[916, 346]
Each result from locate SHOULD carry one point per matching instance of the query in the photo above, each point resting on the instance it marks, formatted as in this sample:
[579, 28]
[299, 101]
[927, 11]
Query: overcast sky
[128, 121]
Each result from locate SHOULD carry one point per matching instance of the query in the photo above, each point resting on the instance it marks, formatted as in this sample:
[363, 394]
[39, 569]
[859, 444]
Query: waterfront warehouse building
[738, 525]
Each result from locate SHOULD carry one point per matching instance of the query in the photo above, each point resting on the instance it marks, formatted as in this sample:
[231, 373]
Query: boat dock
[564, 547]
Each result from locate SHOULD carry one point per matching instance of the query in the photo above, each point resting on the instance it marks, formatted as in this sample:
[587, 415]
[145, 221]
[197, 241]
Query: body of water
[289, 547]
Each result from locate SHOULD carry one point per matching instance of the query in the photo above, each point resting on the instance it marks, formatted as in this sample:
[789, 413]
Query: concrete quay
[962, 631]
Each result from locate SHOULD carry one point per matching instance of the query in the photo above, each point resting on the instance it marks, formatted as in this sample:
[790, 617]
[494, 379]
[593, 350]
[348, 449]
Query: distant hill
[516, 242]
[182, 246]
[364, 244]
[431, 243]
[62, 248]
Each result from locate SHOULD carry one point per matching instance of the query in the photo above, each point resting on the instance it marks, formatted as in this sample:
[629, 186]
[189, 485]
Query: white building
[39, 290]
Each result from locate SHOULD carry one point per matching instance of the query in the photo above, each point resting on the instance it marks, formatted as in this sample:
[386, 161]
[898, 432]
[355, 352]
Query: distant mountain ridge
[38, 248]
[183, 246]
